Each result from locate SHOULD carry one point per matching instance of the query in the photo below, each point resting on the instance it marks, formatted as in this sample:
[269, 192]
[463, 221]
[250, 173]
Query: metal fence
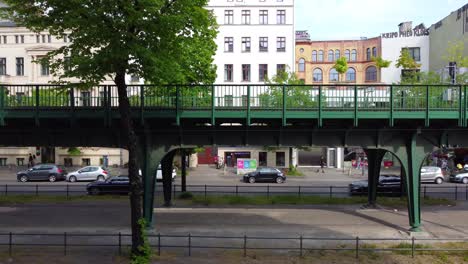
[457, 192]
[189, 244]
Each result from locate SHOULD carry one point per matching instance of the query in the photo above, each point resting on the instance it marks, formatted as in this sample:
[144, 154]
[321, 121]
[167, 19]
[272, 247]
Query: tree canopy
[405, 61]
[341, 65]
[381, 63]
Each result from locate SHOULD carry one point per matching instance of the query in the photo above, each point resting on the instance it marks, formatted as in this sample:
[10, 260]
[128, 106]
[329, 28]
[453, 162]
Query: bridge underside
[408, 140]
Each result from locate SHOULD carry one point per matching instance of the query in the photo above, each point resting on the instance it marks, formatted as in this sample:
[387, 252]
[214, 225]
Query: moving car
[42, 172]
[432, 174]
[460, 178]
[114, 185]
[387, 185]
[264, 174]
[90, 173]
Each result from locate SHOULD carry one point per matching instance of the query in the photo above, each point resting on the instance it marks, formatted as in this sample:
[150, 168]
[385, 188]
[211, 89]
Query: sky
[352, 19]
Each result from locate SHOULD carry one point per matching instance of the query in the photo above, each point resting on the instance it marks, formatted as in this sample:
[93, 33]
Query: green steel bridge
[408, 121]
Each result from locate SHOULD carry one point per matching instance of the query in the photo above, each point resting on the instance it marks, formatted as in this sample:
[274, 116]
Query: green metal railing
[285, 101]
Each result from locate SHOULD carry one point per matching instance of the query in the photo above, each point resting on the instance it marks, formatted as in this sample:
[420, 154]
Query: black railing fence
[452, 192]
[190, 244]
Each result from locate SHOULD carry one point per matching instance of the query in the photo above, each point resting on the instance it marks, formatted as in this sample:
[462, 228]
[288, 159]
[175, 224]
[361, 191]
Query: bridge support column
[184, 170]
[166, 166]
[374, 159]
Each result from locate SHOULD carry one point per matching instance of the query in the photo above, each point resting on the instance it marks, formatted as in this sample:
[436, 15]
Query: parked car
[432, 174]
[387, 185]
[159, 173]
[42, 172]
[460, 178]
[90, 173]
[264, 174]
[114, 185]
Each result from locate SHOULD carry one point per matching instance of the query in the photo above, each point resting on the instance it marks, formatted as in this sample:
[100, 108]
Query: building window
[374, 52]
[263, 45]
[2, 66]
[301, 65]
[262, 158]
[5, 40]
[353, 55]
[228, 68]
[68, 67]
[320, 55]
[263, 17]
[371, 74]
[19, 66]
[45, 68]
[280, 68]
[228, 100]
[20, 161]
[86, 162]
[228, 17]
[281, 17]
[85, 98]
[22, 38]
[246, 72]
[246, 44]
[334, 76]
[281, 44]
[228, 44]
[280, 159]
[43, 38]
[49, 38]
[262, 72]
[330, 55]
[314, 55]
[337, 54]
[68, 162]
[3, 161]
[317, 75]
[38, 38]
[368, 54]
[16, 39]
[347, 55]
[246, 17]
[415, 53]
[351, 75]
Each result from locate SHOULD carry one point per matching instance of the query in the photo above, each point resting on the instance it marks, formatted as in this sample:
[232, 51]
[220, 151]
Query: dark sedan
[388, 185]
[264, 175]
[114, 185]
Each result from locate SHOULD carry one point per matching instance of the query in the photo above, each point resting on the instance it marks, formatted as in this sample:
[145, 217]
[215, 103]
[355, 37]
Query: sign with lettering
[246, 165]
[405, 34]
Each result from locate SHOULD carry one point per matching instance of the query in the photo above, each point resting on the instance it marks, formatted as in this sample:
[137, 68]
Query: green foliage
[160, 41]
[186, 196]
[145, 250]
[293, 171]
[381, 63]
[47, 97]
[455, 52]
[284, 77]
[73, 151]
[405, 60]
[341, 65]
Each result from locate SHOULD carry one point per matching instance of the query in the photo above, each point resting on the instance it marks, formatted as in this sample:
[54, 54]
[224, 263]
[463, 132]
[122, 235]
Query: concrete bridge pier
[374, 160]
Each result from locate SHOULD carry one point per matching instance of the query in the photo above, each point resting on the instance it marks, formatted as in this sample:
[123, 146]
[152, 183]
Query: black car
[388, 185]
[42, 172]
[265, 175]
[114, 185]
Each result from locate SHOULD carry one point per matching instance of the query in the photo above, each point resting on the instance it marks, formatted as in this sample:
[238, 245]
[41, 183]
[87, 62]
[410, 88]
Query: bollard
[189, 245]
[120, 244]
[300, 243]
[10, 244]
[159, 244]
[299, 191]
[65, 243]
[357, 247]
[237, 190]
[205, 191]
[268, 191]
[37, 189]
[245, 246]
[331, 191]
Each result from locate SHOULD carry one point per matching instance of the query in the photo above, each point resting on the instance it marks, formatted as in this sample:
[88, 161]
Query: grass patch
[186, 196]
[294, 172]
[304, 200]
[25, 199]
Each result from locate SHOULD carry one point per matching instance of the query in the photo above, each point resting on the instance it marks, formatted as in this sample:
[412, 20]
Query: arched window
[353, 55]
[330, 55]
[371, 74]
[314, 55]
[347, 55]
[301, 65]
[351, 75]
[334, 76]
[317, 75]
[320, 55]
[374, 52]
[368, 54]
[337, 54]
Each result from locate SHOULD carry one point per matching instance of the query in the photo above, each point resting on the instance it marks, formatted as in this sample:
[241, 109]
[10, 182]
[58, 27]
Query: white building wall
[254, 30]
[391, 50]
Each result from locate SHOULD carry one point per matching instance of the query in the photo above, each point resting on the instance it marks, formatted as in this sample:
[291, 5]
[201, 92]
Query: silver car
[432, 174]
[90, 173]
[461, 178]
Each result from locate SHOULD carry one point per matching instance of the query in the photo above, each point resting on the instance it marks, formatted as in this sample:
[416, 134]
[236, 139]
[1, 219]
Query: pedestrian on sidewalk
[30, 160]
[322, 164]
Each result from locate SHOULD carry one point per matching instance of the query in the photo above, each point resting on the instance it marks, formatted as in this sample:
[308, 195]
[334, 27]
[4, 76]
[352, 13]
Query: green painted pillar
[184, 170]
[166, 166]
[374, 159]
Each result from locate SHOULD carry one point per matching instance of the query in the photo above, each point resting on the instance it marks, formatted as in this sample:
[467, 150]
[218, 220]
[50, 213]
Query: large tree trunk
[136, 186]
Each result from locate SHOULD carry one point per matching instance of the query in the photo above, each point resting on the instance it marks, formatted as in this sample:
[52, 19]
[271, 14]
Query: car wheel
[279, 180]
[252, 179]
[100, 178]
[52, 178]
[72, 179]
[94, 191]
[439, 180]
[465, 180]
[23, 178]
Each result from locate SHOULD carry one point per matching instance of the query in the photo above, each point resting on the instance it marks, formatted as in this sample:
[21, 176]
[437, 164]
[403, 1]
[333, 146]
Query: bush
[186, 196]
[293, 171]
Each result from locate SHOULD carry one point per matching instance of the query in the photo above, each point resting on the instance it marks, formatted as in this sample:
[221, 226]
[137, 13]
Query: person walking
[322, 164]
[34, 160]
[30, 160]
